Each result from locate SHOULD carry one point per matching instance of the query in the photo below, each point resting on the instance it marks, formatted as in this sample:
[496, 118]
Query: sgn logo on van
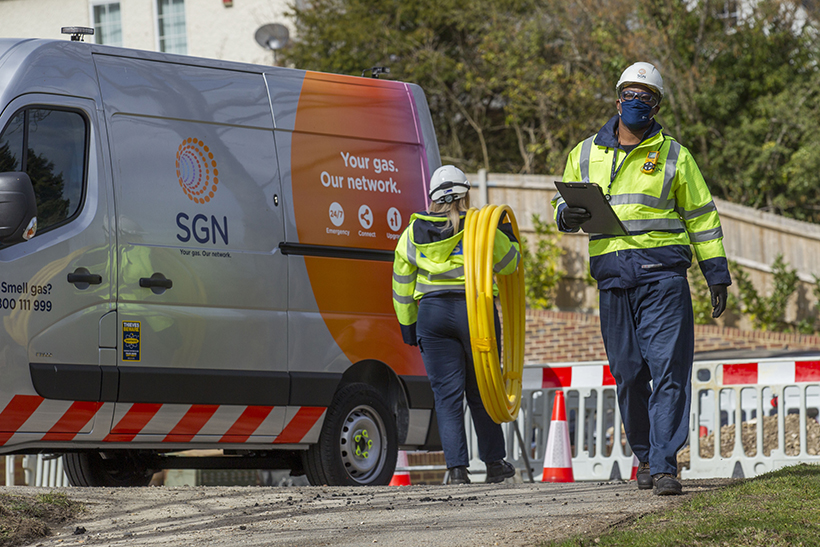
[198, 176]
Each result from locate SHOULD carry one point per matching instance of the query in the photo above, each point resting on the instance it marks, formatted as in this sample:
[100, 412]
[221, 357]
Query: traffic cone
[401, 478]
[635, 463]
[558, 456]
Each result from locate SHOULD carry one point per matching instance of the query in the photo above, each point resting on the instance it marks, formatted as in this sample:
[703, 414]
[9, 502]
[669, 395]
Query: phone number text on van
[24, 304]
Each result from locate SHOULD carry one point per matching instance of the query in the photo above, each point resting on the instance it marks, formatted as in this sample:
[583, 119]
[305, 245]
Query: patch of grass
[24, 519]
[781, 508]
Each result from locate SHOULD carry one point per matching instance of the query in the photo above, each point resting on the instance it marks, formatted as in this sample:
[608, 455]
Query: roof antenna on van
[376, 70]
[77, 33]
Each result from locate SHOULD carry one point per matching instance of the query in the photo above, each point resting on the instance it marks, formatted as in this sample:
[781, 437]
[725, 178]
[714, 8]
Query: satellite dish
[272, 36]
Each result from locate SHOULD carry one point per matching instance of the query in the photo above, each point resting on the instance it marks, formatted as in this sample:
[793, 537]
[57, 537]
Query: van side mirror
[18, 208]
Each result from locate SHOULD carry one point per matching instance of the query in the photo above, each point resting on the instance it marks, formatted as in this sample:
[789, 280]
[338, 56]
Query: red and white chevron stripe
[32, 418]
[772, 373]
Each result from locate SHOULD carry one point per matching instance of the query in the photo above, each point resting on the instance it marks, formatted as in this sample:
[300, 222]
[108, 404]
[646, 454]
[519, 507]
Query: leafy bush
[768, 312]
[702, 297]
[542, 272]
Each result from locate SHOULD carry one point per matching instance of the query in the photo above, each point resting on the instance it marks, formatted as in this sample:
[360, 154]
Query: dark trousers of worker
[649, 334]
[443, 335]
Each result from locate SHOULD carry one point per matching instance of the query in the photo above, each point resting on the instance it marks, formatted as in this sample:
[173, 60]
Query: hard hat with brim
[644, 74]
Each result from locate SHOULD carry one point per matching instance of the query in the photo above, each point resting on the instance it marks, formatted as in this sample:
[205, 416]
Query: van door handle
[158, 283]
[82, 278]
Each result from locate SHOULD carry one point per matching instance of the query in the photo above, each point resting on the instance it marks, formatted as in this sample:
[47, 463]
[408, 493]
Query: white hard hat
[448, 184]
[644, 74]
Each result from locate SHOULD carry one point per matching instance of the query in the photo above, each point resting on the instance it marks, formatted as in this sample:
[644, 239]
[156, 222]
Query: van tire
[358, 444]
[115, 469]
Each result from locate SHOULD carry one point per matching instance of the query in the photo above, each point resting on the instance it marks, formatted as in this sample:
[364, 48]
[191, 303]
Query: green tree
[542, 272]
[513, 85]
[437, 44]
[742, 96]
[550, 77]
[768, 124]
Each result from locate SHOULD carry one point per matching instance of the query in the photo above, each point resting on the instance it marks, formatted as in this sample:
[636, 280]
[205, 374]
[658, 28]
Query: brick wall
[561, 337]
[710, 337]
[426, 458]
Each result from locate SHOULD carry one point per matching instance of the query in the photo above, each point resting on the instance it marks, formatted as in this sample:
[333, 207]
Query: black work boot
[644, 477]
[499, 470]
[667, 485]
[458, 475]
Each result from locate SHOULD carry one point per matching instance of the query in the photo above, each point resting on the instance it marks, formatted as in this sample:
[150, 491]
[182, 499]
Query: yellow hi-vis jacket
[428, 260]
[662, 201]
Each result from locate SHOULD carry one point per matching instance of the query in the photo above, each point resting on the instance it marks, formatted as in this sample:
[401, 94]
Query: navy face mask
[636, 114]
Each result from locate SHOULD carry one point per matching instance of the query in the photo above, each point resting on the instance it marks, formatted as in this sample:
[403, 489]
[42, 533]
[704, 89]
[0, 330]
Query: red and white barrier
[737, 391]
[598, 375]
[775, 372]
[576, 376]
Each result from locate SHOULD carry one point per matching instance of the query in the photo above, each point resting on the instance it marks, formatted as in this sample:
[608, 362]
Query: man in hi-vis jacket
[655, 187]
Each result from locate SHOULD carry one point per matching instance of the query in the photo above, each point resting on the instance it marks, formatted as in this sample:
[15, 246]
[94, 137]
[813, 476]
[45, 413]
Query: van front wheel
[358, 444]
[114, 468]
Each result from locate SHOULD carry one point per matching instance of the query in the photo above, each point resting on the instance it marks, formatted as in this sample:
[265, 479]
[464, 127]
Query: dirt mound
[748, 438]
[26, 518]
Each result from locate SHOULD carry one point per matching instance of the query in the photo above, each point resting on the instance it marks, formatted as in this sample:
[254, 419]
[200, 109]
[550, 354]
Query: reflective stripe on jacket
[667, 210]
[429, 260]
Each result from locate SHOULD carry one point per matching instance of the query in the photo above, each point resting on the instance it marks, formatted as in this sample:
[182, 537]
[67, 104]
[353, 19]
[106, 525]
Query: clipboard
[590, 196]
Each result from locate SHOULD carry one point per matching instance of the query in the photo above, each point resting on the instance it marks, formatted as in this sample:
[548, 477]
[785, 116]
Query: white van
[211, 266]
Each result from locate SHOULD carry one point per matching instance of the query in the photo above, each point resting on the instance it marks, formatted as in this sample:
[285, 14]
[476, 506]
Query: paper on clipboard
[590, 196]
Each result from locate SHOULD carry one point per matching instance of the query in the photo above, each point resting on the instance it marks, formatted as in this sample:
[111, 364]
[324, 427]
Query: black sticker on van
[130, 340]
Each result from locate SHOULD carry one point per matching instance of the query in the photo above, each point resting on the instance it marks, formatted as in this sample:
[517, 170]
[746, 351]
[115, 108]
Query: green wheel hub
[363, 443]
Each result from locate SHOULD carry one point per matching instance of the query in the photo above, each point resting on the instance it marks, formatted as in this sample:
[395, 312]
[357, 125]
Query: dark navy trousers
[444, 340]
[649, 334]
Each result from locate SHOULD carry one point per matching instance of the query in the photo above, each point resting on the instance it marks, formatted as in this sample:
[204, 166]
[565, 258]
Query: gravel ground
[509, 514]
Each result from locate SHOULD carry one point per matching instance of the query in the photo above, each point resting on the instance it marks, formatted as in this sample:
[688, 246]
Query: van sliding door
[202, 285]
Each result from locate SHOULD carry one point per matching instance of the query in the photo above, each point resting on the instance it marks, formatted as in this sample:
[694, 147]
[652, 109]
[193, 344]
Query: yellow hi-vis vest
[423, 263]
[660, 196]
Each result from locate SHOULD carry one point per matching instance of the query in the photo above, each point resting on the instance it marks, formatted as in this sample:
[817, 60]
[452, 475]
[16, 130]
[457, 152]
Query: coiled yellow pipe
[499, 381]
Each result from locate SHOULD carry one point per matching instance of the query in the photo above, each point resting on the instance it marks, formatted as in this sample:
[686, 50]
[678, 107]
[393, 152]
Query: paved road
[472, 515]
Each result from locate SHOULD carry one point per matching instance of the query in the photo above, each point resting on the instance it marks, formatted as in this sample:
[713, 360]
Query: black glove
[408, 334]
[573, 217]
[719, 294]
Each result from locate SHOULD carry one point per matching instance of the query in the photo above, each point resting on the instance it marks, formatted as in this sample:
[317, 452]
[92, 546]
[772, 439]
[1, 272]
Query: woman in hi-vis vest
[429, 299]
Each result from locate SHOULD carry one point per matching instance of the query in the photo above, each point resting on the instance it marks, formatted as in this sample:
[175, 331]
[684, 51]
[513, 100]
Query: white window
[107, 23]
[729, 12]
[171, 26]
